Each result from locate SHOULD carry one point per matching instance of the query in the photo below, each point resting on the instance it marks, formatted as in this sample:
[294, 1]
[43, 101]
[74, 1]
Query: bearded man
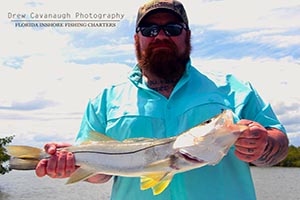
[165, 96]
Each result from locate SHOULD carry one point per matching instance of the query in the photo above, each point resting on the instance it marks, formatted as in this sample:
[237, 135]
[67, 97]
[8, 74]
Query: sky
[48, 74]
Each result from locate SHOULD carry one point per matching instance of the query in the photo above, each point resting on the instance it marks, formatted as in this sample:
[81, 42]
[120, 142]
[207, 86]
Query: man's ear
[188, 34]
[136, 38]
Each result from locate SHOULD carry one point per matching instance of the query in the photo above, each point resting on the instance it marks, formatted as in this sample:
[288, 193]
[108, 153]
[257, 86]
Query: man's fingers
[246, 151]
[51, 166]
[246, 143]
[41, 168]
[51, 148]
[61, 164]
[70, 164]
[245, 157]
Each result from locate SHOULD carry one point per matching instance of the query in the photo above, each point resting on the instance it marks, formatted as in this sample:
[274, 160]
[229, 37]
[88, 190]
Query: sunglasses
[154, 29]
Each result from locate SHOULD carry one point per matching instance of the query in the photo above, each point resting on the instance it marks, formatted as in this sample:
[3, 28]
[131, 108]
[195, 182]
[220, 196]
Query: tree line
[3, 156]
[292, 159]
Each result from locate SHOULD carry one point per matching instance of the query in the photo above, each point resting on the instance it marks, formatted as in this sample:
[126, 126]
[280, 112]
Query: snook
[154, 160]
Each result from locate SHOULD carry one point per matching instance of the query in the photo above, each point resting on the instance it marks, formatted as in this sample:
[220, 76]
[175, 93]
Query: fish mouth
[191, 158]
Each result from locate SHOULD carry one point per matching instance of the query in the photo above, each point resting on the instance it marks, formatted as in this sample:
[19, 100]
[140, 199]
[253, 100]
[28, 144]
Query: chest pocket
[131, 120]
[206, 107]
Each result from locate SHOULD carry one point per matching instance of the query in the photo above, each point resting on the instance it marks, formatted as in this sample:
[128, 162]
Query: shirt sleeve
[257, 110]
[249, 104]
[93, 119]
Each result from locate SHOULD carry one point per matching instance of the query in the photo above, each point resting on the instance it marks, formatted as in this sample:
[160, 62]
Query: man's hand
[252, 142]
[61, 164]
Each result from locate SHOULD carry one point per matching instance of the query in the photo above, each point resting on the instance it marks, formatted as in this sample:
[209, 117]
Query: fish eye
[207, 121]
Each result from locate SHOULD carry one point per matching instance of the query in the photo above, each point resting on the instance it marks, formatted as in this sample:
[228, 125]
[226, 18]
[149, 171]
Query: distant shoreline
[292, 159]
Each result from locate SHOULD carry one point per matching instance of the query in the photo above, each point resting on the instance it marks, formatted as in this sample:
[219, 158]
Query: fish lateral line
[121, 153]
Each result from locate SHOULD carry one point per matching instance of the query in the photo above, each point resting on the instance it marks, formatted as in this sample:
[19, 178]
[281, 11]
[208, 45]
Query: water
[276, 183]
[270, 183]
[24, 185]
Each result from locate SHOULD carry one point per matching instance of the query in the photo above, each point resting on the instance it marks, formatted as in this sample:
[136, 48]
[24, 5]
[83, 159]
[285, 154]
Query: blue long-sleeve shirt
[132, 109]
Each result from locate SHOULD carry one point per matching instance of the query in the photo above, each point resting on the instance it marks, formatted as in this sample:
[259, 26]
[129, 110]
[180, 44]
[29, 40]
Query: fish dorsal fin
[95, 136]
[82, 173]
[158, 182]
[139, 140]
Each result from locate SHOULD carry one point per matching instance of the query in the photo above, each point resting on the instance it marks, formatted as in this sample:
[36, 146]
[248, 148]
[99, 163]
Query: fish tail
[24, 157]
[22, 164]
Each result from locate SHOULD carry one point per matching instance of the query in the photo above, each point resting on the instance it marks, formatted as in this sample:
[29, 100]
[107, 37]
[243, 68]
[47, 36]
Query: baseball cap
[172, 6]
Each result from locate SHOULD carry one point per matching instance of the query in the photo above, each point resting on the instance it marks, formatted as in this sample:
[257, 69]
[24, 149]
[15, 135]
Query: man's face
[164, 56]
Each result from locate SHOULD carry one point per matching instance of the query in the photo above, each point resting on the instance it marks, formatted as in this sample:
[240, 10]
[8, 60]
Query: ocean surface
[271, 184]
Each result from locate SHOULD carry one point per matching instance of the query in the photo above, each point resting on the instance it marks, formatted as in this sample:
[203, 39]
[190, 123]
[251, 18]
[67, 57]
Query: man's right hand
[61, 164]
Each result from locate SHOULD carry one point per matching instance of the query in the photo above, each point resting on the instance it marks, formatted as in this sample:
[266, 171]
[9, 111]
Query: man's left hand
[252, 142]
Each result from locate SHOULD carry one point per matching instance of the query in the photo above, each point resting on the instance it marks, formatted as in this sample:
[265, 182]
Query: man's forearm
[276, 149]
[99, 178]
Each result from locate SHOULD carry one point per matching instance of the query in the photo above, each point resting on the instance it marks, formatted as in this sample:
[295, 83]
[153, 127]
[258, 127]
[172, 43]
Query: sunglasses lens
[150, 31]
[169, 30]
[173, 29]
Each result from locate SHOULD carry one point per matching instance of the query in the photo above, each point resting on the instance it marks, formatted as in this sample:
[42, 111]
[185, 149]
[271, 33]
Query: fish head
[210, 140]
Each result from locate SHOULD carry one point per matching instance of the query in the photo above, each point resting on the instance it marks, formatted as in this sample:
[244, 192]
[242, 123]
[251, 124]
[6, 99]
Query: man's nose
[161, 34]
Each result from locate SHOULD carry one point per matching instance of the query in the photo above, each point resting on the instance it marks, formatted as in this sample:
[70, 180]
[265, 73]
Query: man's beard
[167, 64]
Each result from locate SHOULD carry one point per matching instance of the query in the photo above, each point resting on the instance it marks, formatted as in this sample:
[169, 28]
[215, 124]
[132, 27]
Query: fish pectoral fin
[150, 180]
[158, 182]
[162, 185]
[82, 173]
